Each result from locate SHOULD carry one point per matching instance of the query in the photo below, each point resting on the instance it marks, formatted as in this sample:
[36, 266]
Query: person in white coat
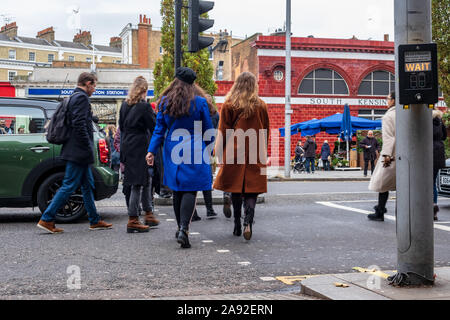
[384, 178]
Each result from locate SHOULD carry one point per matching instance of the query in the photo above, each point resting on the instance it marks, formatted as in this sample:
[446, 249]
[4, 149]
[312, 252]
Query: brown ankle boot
[49, 227]
[150, 220]
[135, 226]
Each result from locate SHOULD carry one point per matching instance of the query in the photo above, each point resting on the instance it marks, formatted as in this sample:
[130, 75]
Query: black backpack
[59, 127]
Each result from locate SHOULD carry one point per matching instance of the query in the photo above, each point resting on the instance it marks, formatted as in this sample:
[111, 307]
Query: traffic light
[198, 25]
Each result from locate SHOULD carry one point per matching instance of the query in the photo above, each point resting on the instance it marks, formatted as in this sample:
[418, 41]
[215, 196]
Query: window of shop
[32, 56]
[71, 58]
[323, 81]
[378, 83]
[211, 53]
[88, 59]
[372, 114]
[51, 57]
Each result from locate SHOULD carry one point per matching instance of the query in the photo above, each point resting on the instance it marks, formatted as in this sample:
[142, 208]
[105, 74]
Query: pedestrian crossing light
[197, 25]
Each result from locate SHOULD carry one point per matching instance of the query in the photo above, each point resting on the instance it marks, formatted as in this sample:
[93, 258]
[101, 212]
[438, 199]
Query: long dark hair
[177, 98]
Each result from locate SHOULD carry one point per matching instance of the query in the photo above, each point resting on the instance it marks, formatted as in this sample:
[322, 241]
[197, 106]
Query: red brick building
[326, 75]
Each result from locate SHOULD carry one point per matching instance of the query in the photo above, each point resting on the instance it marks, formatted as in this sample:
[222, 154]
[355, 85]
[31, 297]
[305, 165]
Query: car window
[21, 120]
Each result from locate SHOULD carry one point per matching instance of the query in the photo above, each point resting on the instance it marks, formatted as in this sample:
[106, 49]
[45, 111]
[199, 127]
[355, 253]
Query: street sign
[418, 74]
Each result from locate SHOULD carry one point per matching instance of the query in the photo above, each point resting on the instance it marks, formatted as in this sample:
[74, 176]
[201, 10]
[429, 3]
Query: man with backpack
[78, 151]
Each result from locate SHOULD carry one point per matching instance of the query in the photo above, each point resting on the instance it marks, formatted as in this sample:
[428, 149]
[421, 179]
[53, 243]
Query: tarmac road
[292, 237]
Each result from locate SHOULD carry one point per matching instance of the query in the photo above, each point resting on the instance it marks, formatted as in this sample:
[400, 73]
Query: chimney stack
[83, 37]
[10, 30]
[47, 34]
[386, 37]
[115, 42]
[143, 34]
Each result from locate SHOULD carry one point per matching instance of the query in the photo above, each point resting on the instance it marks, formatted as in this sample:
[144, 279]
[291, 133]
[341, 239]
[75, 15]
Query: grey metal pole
[414, 157]
[288, 111]
[178, 21]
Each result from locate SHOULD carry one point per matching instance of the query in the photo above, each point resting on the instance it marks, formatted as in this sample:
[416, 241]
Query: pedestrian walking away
[439, 137]
[310, 148]
[371, 147]
[137, 122]
[180, 111]
[78, 152]
[325, 154]
[384, 177]
[207, 195]
[240, 173]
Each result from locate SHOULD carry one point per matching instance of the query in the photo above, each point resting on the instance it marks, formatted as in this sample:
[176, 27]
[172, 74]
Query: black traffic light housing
[198, 25]
[418, 74]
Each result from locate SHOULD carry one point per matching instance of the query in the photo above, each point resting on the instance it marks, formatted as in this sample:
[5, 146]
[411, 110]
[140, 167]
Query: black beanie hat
[186, 74]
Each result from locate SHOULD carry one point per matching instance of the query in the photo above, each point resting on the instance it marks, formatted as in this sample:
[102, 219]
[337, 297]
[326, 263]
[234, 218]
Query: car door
[22, 148]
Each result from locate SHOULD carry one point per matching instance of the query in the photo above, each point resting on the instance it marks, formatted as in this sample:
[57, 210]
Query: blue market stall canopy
[332, 125]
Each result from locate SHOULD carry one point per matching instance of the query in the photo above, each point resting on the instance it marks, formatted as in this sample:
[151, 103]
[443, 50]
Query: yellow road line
[373, 271]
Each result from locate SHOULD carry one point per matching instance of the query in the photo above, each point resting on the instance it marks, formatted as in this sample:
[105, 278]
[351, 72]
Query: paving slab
[361, 288]
[324, 287]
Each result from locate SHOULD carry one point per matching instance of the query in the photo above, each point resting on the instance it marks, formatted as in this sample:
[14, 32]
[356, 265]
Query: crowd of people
[143, 148]
[147, 146]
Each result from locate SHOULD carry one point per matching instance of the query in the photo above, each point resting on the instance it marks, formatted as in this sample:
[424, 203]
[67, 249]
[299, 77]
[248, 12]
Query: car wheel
[74, 208]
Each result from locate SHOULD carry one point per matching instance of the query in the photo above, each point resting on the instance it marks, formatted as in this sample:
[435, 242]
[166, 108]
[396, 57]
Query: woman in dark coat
[325, 154]
[137, 122]
[439, 136]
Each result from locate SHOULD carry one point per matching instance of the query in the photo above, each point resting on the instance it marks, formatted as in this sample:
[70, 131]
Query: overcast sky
[366, 19]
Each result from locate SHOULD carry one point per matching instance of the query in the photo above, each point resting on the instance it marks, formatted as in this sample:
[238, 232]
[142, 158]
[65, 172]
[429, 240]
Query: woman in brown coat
[242, 149]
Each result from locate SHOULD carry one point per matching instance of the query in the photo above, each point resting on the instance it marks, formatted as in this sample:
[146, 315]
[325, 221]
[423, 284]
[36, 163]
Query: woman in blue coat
[184, 125]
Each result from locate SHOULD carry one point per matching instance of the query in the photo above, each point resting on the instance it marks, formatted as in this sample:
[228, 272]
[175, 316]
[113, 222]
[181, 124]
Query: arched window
[323, 81]
[378, 83]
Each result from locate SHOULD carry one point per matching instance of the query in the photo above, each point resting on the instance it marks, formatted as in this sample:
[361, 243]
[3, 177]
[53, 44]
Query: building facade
[326, 75]
[20, 55]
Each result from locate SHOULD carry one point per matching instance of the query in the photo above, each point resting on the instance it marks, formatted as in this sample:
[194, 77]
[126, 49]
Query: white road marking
[244, 263]
[268, 279]
[170, 220]
[320, 193]
[223, 251]
[337, 206]
[208, 241]
[194, 233]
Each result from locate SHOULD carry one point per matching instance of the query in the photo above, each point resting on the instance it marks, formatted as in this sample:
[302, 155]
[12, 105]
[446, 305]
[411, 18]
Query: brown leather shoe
[135, 226]
[150, 220]
[101, 225]
[49, 227]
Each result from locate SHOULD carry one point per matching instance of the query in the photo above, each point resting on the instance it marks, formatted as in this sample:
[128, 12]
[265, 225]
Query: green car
[31, 171]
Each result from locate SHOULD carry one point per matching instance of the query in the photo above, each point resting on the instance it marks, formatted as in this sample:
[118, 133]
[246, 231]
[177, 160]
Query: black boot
[183, 239]
[227, 205]
[436, 210]
[378, 215]
[248, 223]
[237, 227]
[210, 214]
[196, 217]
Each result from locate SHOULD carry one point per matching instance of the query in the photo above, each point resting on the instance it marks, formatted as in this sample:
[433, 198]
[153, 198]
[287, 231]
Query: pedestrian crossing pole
[414, 159]
[288, 111]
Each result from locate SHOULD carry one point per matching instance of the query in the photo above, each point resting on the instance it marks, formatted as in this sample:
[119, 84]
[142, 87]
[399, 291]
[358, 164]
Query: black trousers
[249, 200]
[366, 166]
[382, 200]
[184, 206]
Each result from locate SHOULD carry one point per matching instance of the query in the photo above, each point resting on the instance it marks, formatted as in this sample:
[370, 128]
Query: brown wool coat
[246, 173]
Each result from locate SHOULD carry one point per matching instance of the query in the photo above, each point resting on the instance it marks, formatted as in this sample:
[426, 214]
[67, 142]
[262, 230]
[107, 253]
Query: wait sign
[418, 74]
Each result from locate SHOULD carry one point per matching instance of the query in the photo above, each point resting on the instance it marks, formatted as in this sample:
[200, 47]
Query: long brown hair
[243, 96]
[202, 93]
[177, 98]
[138, 88]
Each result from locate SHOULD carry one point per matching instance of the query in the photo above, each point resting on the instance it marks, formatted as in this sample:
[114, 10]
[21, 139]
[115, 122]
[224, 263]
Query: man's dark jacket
[371, 153]
[80, 146]
[310, 149]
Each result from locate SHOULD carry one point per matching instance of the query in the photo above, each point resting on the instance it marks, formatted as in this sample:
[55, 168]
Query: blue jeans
[75, 176]
[310, 161]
